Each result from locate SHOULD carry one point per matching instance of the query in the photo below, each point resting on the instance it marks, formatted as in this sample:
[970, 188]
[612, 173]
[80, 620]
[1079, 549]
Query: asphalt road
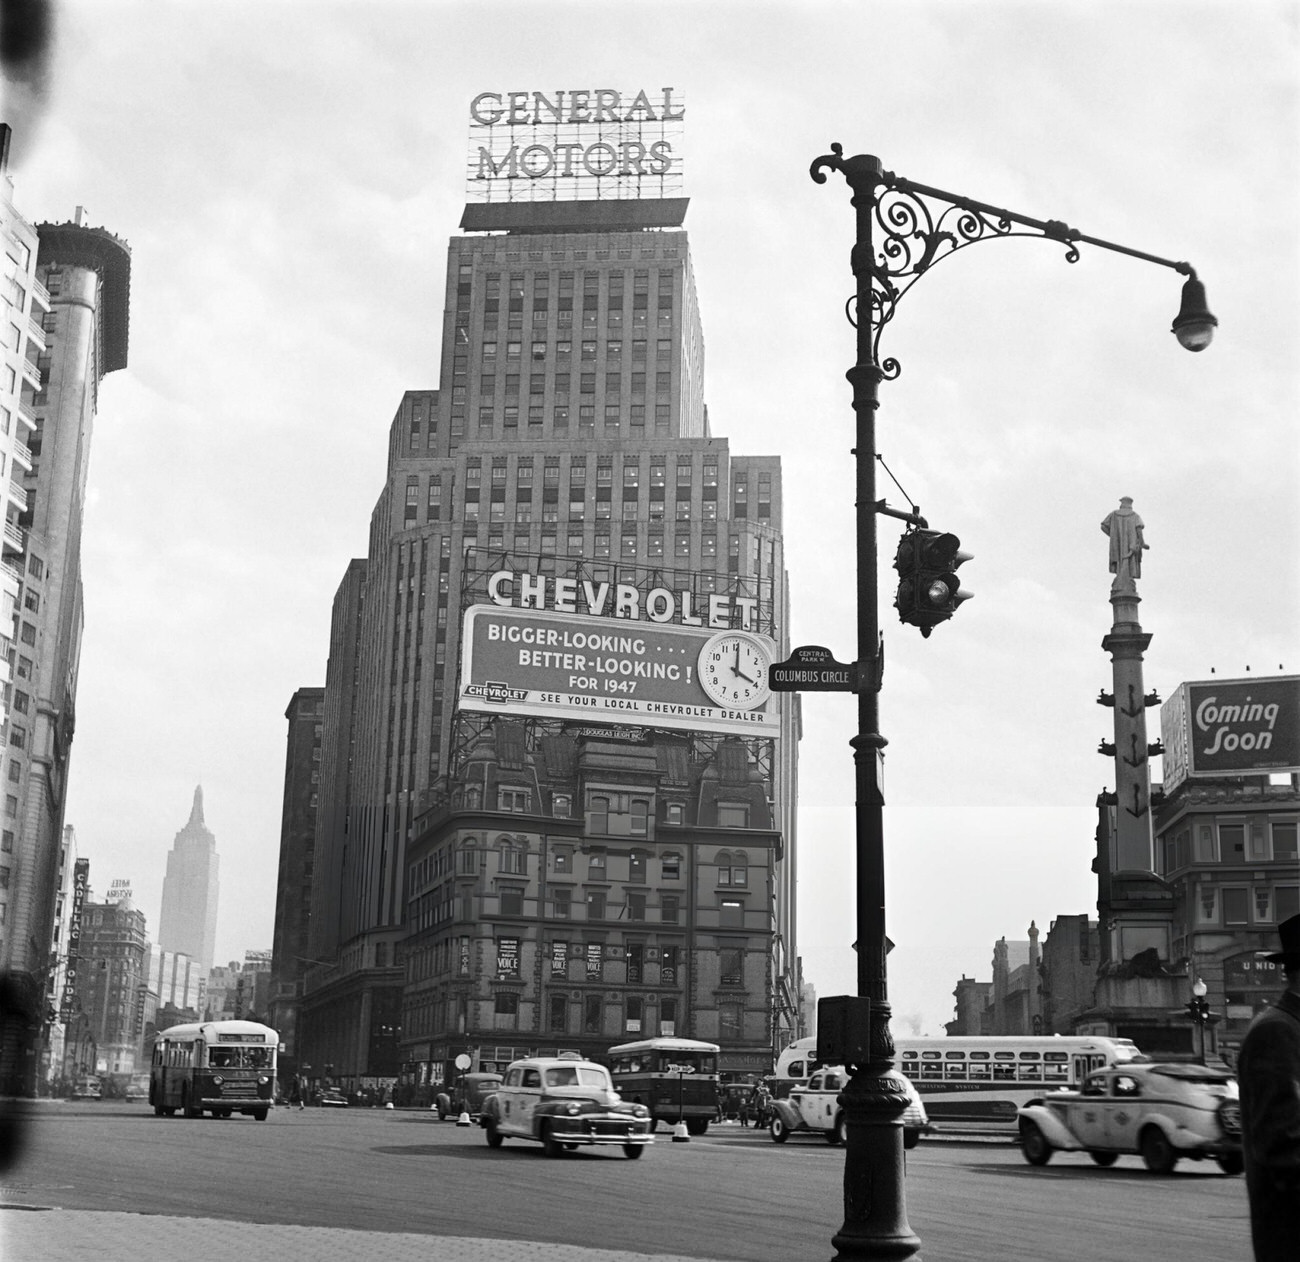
[730, 1194]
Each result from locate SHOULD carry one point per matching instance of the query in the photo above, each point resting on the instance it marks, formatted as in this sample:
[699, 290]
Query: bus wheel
[697, 1125]
[258, 1114]
[158, 1110]
[187, 1109]
[170, 1110]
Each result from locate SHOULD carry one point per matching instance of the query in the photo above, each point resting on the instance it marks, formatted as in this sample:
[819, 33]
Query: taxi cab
[563, 1103]
[1161, 1111]
[815, 1107]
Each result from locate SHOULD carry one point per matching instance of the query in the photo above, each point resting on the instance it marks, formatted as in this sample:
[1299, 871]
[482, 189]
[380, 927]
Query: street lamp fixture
[903, 230]
[1199, 1010]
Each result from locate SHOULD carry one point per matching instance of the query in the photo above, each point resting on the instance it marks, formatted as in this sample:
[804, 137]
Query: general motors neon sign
[574, 141]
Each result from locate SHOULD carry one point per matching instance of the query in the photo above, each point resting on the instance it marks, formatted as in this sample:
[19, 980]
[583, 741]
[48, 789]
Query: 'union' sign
[574, 143]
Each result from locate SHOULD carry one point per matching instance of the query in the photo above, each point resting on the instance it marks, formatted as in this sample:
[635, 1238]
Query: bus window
[980, 1070]
[954, 1069]
[1002, 1072]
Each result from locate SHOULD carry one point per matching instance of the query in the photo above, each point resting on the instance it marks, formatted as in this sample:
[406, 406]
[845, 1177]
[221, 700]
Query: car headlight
[640, 1110]
[573, 1109]
[217, 1080]
[263, 1079]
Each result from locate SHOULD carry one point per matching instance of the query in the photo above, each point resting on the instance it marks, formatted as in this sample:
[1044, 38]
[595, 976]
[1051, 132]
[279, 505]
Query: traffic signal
[928, 588]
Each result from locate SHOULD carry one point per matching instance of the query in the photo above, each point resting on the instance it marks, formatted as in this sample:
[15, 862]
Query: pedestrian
[295, 1092]
[1268, 1072]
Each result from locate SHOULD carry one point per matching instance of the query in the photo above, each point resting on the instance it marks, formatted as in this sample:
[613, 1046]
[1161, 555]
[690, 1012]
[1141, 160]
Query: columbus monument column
[1132, 842]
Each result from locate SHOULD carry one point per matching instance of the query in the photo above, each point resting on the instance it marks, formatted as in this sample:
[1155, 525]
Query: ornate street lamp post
[903, 229]
[1199, 1010]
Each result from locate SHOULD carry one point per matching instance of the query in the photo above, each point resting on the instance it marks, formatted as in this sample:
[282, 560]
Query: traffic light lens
[938, 592]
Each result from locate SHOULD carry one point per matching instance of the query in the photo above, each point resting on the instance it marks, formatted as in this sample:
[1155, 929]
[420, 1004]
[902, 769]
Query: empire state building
[189, 903]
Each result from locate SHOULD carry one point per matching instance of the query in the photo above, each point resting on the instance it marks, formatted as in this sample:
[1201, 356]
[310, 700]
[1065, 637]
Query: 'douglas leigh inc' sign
[576, 142]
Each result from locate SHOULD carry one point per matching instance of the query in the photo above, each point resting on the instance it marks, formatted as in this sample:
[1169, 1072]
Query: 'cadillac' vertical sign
[80, 882]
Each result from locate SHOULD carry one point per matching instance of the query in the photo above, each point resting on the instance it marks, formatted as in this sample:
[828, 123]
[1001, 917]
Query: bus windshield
[227, 1057]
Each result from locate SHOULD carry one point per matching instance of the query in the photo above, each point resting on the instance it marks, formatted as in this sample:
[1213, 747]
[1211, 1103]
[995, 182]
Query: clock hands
[735, 670]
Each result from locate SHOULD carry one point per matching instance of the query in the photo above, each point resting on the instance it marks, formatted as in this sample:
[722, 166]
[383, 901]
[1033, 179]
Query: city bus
[980, 1078]
[676, 1079]
[224, 1067]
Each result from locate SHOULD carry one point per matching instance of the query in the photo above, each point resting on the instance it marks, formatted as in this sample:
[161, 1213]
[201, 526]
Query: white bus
[980, 1078]
[224, 1067]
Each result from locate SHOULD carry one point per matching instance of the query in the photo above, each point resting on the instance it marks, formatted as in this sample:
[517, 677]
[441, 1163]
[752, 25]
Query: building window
[733, 870]
[671, 866]
[731, 966]
[513, 800]
[733, 815]
[506, 1010]
[1236, 906]
[467, 859]
[561, 903]
[668, 1017]
[592, 1015]
[596, 867]
[636, 866]
[669, 962]
[669, 906]
[1232, 843]
[557, 1013]
[595, 905]
[564, 861]
[636, 906]
[513, 859]
[632, 1014]
[1205, 844]
[635, 962]
[1284, 841]
[731, 1022]
[562, 805]
[1287, 901]
[731, 913]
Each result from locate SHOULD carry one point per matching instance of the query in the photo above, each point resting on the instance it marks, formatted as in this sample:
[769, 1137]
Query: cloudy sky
[287, 176]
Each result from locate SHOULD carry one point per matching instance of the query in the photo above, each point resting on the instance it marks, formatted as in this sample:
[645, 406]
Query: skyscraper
[67, 298]
[566, 465]
[188, 923]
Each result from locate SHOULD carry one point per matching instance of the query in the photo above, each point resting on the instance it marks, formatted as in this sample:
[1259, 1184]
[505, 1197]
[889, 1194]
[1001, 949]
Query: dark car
[332, 1097]
[467, 1095]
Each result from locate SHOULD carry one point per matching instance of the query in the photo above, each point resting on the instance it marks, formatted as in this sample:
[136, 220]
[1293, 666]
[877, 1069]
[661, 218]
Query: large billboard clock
[733, 668]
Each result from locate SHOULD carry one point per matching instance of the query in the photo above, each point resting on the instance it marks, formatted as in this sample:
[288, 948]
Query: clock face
[733, 670]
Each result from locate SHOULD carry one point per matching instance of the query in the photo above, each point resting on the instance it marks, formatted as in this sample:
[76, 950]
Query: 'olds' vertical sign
[1231, 727]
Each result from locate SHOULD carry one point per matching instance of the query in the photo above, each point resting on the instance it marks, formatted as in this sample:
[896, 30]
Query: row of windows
[1230, 841]
[590, 1014]
[1246, 905]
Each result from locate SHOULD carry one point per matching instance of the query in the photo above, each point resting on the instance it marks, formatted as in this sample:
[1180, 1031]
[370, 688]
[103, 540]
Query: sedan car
[333, 1098]
[563, 1102]
[815, 1107]
[1161, 1111]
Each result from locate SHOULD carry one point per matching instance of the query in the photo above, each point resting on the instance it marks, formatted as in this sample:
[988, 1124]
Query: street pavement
[59, 1235]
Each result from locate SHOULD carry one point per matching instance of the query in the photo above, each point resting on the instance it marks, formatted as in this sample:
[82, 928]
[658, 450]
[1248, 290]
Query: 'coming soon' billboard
[1231, 727]
[549, 665]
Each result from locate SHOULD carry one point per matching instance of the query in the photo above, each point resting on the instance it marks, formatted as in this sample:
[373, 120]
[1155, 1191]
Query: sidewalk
[58, 1235]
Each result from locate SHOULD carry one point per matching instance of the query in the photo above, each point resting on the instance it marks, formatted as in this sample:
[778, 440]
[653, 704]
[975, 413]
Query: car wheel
[835, 1136]
[1038, 1152]
[1157, 1151]
[258, 1115]
[1231, 1163]
[551, 1147]
[632, 1151]
[1103, 1158]
[494, 1136]
[911, 1138]
[697, 1125]
[780, 1131]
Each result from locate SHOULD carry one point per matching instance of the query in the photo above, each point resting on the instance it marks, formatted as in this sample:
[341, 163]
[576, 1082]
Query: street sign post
[812, 669]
